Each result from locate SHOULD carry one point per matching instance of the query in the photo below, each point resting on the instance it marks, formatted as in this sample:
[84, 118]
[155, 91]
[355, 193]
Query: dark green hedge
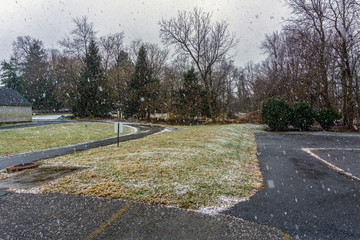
[278, 115]
[327, 117]
[302, 116]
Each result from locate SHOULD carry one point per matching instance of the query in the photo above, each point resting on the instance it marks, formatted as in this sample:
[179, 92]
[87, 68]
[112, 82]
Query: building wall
[15, 114]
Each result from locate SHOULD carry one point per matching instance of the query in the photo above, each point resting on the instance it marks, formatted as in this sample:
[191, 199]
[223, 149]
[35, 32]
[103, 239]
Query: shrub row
[278, 115]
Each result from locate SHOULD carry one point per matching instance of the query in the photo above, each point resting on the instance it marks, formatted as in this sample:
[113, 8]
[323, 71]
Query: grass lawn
[23, 140]
[199, 167]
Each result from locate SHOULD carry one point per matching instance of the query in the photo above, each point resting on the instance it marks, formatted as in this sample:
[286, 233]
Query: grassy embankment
[14, 141]
[193, 167]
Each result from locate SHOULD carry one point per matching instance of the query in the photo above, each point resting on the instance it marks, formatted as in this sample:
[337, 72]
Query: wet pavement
[34, 123]
[57, 216]
[348, 160]
[302, 196]
[36, 177]
[142, 131]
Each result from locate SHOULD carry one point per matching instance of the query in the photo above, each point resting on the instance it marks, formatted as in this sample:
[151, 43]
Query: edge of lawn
[204, 168]
[47, 147]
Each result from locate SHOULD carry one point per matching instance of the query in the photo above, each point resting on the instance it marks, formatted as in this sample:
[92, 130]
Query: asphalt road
[57, 216]
[142, 131]
[302, 196]
[34, 123]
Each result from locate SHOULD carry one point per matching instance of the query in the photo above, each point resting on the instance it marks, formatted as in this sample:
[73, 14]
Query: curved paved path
[142, 131]
[302, 196]
[34, 123]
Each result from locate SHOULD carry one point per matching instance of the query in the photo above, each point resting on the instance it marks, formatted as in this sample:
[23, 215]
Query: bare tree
[345, 20]
[64, 71]
[315, 58]
[156, 57]
[311, 15]
[117, 77]
[78, 42]
[204, 42]
[110, 47]
[223, 87]
[23, 46]
[244, 79]
[273, 47]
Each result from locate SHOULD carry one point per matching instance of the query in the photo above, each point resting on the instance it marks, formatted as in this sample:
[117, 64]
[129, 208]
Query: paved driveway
[58, 216]
[302, 195]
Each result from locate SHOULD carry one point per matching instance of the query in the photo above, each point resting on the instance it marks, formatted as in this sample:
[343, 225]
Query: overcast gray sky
[51, 20]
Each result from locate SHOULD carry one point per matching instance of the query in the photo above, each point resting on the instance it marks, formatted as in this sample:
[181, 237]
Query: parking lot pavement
[59, 216]
[347, 160]
[302, 195]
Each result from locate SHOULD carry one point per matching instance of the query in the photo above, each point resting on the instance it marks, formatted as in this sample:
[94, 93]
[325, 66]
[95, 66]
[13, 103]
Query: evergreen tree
[35, 72]
[142, 89]
[92, 98]
[191, 99]
[123, 59]
[119, 75]
[12, 77]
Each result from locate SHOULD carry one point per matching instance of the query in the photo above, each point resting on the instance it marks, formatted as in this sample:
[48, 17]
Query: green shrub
[327, 117]
[276, 113]
[302, 116]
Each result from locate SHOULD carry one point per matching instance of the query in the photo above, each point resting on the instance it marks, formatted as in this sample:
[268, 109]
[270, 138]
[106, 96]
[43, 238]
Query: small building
[14, 107]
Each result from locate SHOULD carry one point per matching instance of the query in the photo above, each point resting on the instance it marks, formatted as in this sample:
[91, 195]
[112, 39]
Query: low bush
[302, 116]
[276, 113]
[327, 117]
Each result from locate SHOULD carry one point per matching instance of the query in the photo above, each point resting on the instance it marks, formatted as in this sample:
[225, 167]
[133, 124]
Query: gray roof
[10, 97]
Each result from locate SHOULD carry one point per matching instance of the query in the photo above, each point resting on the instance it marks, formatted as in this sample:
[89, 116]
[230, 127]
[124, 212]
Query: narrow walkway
[142, 131]
[34, 123]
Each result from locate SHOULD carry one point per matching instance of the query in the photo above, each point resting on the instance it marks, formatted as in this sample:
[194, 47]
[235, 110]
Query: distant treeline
[315, 59]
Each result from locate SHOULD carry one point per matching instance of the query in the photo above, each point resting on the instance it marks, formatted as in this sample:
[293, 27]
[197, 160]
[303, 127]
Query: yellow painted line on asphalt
[285, 236]
[332, 166]
[102, 227]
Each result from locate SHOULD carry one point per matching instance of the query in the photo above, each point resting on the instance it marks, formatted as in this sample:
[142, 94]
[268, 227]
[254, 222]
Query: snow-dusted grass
[200, 167]
[14, 141]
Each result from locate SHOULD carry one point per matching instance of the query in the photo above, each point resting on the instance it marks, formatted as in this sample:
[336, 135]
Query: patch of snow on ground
[152, 153]
[182, 189]
[226, 203]
[163, 131]
[48, 117]
[34, 190]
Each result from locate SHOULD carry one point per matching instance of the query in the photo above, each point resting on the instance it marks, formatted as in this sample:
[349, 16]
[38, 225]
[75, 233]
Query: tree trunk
[349, 124]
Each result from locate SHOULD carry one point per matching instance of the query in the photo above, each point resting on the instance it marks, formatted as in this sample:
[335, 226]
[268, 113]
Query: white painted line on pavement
[332, 166]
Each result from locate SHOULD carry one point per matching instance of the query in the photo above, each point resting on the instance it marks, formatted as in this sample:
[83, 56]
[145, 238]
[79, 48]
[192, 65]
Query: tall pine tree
[92, 99]
[12, 77]
[142, 90]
